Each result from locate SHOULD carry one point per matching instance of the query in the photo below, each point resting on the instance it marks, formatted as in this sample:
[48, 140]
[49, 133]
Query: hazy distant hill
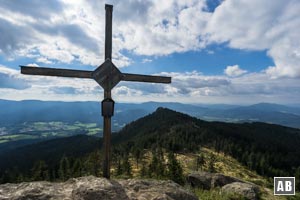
[33, 111]
[14, 112]
[263, 112]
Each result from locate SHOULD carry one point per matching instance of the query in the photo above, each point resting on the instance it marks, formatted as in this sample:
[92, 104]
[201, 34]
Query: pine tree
[200, 161]
[153, 166]
[126, 167]
[95, 158]
[157, 166]
[20, 178]
[251, 161]
[160, 171]
[262, 165]
[40, 171]
[175, 171]
[211, 163]
[64, 171]
[6, 176]
[119, 167]
[77, 168]
[143, 171]
[53, 174]
[297, 178]
[92, 164]
[137, 153]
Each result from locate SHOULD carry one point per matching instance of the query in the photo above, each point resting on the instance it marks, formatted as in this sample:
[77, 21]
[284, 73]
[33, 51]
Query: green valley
[13, 136]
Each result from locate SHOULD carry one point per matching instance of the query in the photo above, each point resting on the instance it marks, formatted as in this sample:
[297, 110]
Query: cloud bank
[64, 31]
[68, 32]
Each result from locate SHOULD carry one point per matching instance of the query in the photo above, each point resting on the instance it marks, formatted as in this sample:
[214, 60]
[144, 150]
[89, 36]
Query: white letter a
[280, 186]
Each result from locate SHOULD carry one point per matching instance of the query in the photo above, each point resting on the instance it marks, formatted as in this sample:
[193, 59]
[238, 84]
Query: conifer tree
[175, 171]
[153, 166]
[77, 168]
[200, 161]
[6, 176]
[126, 167]
[137, 153]
[157, 166]
[40, 171]
[262, 165]
[297, 178]
[64, 171]
[95, 159]
[211, 163]
[143, 171]
[119, 167]
[160, 171]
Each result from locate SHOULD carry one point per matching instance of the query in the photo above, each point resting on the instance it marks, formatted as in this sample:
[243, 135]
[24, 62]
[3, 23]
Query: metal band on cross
[107, 75]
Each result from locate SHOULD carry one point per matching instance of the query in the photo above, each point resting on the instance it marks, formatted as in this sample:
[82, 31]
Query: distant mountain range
[15, 112]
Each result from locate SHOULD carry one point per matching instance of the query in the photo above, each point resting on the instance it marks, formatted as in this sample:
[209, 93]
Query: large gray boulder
[219, 180]
[208, 180]
[247, 190]
[92, 188]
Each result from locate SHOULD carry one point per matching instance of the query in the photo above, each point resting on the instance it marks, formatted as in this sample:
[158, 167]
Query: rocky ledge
[91, 188]
[207, 181]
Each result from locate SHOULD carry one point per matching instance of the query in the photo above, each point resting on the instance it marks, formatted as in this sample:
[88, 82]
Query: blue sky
[233, 51]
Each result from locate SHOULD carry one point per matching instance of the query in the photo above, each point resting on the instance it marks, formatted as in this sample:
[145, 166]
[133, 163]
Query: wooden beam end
[108, 6]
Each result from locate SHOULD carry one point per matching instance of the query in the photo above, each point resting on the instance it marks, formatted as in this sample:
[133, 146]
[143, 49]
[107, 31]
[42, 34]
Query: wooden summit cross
[107, 75]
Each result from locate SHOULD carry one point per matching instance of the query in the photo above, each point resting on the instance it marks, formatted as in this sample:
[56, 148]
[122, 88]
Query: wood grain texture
[108, 31]
[55, 72]
[145, 78]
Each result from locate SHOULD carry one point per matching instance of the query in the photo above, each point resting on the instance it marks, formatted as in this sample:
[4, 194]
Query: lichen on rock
[91, 188]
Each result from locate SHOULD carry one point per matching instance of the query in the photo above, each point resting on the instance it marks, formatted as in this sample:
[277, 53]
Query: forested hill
[50, 152]
[271, 150]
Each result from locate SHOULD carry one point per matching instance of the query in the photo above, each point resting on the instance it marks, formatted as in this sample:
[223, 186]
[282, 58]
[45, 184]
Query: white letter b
[288, 186]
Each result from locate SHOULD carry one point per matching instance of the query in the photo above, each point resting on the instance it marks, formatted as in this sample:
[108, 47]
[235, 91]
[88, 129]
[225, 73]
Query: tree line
[160, 165]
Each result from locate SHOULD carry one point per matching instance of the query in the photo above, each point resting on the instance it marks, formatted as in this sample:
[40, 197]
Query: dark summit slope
[159, 121]
[266, 148]
[168, 123]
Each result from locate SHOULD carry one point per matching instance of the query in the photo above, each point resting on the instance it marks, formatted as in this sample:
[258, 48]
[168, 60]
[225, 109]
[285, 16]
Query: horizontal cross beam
[88, 74]
[55, 72]
[145, 78]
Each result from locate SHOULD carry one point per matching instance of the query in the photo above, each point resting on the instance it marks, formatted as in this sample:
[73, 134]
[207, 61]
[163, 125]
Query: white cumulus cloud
[234, 70]
[261, 25]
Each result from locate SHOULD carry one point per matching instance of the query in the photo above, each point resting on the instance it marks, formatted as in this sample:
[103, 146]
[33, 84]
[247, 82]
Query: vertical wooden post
[108, 31]
[106, 140]
[107, 93]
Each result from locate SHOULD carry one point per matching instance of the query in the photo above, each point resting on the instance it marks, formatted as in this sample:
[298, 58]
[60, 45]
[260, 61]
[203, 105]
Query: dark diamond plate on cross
[107, 75]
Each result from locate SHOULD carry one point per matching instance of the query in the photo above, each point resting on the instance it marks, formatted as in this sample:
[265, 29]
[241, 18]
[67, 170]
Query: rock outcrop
[247, 190]
[208, 180]
[91, 188]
